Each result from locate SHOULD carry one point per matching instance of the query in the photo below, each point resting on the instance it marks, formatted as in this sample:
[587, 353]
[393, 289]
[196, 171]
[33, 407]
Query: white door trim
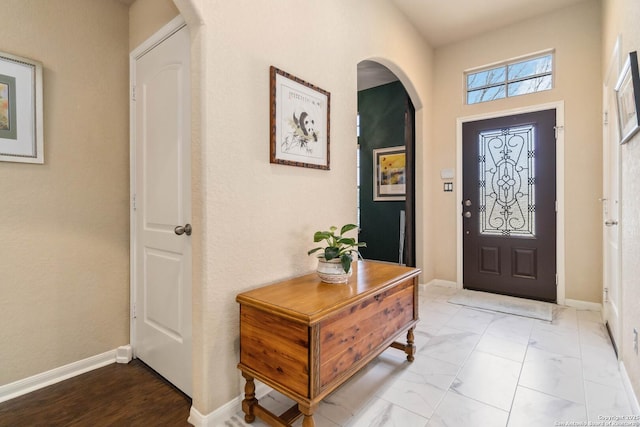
[560, 243]
[162, 34]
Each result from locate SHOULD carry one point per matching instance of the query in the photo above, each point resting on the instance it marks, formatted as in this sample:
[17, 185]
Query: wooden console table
[304, 338]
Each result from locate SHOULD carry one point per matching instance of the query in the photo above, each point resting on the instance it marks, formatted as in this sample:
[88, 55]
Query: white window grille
[511, 78]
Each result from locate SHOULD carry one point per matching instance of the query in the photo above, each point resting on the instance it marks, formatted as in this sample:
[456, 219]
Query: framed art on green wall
[389, 169]
[21, 121]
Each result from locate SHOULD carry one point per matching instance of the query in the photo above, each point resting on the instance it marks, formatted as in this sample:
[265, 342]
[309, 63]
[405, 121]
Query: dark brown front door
[509, 205]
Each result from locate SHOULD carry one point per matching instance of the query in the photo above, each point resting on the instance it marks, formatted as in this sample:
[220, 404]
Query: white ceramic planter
[332, 271]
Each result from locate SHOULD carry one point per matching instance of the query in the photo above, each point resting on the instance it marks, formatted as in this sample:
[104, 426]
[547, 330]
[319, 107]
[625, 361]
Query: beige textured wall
[258, 218]
[148, 16]
[621, 17]
[64, 225]
[574, 33]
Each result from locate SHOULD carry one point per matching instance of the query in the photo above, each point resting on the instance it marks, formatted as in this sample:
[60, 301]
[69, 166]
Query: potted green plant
[335, 258]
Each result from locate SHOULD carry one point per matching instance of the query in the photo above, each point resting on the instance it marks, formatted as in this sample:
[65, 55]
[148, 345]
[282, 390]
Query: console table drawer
[353, 333]
[277, 348]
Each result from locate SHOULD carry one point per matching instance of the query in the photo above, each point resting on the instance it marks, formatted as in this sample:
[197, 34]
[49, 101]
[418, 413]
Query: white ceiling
[442, 22]
[371, 74]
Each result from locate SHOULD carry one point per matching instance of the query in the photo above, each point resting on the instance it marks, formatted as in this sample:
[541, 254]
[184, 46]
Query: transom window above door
[510, 78]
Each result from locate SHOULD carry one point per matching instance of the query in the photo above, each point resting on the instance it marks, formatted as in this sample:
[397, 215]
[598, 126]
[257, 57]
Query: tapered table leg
[410, 349]
[307, 411]
[249, 398]
[308, 421]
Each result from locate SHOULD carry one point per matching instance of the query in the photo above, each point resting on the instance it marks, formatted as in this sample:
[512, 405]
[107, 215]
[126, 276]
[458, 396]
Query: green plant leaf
[347, 227]
[347, 241]
[321, 235]
[314, 250]
[345, 260]
[331, 253]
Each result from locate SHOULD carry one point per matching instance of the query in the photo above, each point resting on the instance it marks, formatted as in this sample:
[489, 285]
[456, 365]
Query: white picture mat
[28, 147]
[292, 100]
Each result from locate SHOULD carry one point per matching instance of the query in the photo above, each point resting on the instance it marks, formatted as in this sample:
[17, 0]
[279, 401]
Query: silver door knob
[467, 202]
[610, 223]
[467, 214]
[180, 230]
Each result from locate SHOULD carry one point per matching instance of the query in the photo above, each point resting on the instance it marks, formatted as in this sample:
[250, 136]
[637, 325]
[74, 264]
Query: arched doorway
[386, 166]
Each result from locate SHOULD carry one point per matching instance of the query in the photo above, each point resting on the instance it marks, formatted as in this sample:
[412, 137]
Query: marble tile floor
[481, 368]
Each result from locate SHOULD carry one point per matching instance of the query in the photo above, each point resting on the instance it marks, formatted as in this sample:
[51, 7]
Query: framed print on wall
[628, 98]
[299, 122]
[389, 173]
[21, 130]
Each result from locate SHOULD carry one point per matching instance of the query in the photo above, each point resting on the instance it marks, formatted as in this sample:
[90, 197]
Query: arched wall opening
[387, 163]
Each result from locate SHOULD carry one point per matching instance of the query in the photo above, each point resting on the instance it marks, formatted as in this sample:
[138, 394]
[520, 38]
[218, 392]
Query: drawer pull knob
[377, 297]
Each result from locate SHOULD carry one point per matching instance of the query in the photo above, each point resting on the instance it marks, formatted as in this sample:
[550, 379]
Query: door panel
[509, 194]
[611, 205]
[163, 193]
[524, 262]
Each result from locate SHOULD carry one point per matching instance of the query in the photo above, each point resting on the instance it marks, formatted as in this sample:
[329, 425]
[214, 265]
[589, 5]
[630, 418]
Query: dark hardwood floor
[115, 395]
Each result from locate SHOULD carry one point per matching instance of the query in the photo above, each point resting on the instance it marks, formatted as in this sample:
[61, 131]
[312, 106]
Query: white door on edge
[611, 206]
[163, 210]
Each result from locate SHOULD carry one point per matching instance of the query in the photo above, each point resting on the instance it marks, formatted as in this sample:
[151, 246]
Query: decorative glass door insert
[507, 181]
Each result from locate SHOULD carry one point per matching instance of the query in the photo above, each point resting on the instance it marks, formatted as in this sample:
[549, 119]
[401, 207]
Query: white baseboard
[196, 418]
[124, 354]
[583, 305]
[226, 411]
[44, 379]
[631, 395]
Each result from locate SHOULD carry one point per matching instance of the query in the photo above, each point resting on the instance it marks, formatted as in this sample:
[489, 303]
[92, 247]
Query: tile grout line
[524, 358]
[584, 385]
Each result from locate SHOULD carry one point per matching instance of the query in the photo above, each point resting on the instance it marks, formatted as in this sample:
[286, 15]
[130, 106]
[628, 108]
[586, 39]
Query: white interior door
[611, 205]
[162, 278]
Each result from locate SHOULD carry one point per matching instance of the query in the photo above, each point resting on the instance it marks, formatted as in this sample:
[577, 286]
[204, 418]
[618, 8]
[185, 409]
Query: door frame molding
[158, 37]
[560, 241]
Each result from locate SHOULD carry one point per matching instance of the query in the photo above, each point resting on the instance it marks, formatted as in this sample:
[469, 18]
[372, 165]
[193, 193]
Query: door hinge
[133, 93]
[556, 206]
[556, 279]
[606, 295]
[558, 129]
[133, 202]
[133, 311]
[605, 119]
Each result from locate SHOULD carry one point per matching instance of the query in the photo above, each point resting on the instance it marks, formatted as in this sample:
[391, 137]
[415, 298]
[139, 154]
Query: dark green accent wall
[382, 125]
